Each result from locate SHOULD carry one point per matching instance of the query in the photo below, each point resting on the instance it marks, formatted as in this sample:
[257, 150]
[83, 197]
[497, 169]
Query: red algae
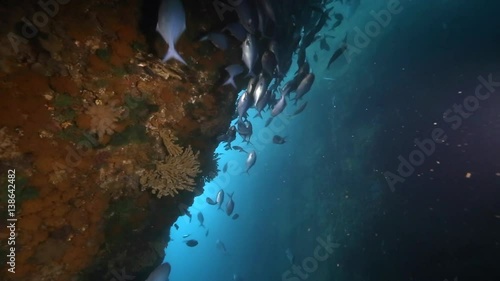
[122, 50]
[30, 222]
[63, 84]
[97, 64]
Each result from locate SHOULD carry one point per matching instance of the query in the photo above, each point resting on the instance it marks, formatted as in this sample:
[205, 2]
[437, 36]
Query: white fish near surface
[160, 273]
[251, 159]
[260, 89]
[304, 86]
[279, 107]
[249, 53]
[220, 198]
[171, 24]
[243, 104]
[230, 205]
[262, 103]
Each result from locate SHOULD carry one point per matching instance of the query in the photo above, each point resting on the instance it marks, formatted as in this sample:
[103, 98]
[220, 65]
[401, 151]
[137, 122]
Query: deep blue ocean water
[327, 182]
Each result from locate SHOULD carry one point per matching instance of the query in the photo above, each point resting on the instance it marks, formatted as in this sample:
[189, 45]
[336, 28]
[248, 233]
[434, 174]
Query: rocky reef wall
[85, 107]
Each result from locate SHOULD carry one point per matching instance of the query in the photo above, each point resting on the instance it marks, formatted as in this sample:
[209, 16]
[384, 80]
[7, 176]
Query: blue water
[328, 178]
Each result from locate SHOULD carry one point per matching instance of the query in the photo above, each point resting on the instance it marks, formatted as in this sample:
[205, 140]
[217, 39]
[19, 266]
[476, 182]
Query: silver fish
[268, 121]
[300, 109]
[262, 22]
[302, 72]
[218, 39]
[171, 24]
[239, 148]
[275, 49]
[190, 243]
[262, 103]
[219, 245]
[161, 273]
[251, 84]
[279, 107]
[201, 219]
[244, 103]
[220, 198]
[245, 129]
[268, 9]
[279, 139]
[247, 14]
[211, 201]
[304, 86]
[230, 204]
[236, 30]
[249, 53]
[343, 47]
[233, 70]
[268, 61]
[252, 157]
[289, 87]
[260, 89]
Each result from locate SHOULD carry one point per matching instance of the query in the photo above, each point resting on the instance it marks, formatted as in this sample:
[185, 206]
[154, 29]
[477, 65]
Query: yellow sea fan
[176, 172]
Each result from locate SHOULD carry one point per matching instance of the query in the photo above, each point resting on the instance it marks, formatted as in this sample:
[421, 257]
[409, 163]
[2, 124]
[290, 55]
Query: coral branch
[176, 172]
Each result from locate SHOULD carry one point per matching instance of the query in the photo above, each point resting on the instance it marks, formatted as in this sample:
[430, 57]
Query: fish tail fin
[250, 73]
[269, 121]
[258, 115]
[230, 81]
[173, 54]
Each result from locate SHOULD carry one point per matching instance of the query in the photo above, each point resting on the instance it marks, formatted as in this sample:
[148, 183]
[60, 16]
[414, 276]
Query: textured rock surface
[82, 214]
